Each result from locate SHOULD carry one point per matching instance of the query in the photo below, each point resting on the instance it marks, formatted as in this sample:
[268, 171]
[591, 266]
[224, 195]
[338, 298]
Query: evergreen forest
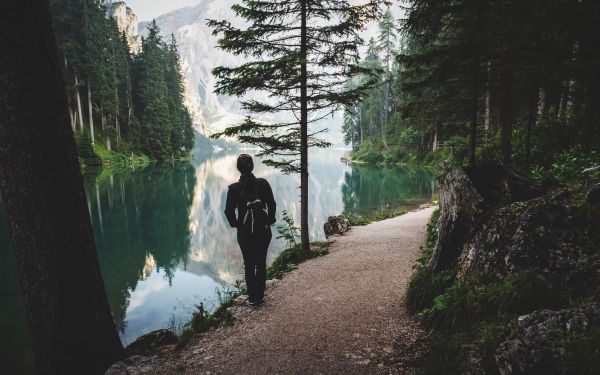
[124, 108]
[472, 82]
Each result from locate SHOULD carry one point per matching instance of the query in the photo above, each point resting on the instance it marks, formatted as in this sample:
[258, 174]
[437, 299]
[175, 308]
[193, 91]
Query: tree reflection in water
[163, 241]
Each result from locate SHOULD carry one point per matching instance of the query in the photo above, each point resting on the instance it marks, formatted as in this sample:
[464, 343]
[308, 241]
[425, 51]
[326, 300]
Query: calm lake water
[164, 244]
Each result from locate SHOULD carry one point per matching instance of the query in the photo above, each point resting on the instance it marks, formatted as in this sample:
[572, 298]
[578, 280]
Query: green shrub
[87, 150]
[409, 136]
[425, 285]
[372, 157]
[462, 304]
[289, 259]
[288, 231]
[360, 220]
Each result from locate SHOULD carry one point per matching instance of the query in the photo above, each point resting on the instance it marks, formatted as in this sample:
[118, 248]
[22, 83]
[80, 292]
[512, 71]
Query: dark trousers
[254, 250]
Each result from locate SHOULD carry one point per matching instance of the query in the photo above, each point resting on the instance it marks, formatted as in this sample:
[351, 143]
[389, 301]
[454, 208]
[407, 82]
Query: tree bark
[473, 121]
[78, 98]
[435, 134]
[505, 116]
[488, 102]
[388, 80]
[530, 121]
[360, 123]
[71, 326]
[90, 110]
[304, 238]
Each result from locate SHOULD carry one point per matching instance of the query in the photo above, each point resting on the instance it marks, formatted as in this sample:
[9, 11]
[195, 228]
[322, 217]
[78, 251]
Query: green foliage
[359, 220]
[203, 320]
[408, 137]
[87, 150]
[288, 231]
[138, 100]
[289, 259]
[118, 160]
[581, 354]
[568, 165]
[372, 157]
[462, 304]
[424, 285]
[307, 78]
[484, 78]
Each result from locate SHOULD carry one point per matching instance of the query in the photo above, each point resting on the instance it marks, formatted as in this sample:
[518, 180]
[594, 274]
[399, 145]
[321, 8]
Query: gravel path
[338, 314]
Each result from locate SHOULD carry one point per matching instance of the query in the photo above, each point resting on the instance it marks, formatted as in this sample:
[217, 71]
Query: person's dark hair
[245, 164]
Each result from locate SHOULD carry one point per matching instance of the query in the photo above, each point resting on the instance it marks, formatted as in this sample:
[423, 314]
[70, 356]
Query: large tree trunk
[466, 196]
[305, 242]
[71, 326]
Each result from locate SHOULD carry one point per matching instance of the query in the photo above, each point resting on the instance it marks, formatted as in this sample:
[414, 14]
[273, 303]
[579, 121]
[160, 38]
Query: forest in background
[472, 81]
[124, 108]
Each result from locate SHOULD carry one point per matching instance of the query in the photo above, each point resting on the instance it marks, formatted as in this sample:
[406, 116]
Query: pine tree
[302, 53]
[151, 97]
[386, 42]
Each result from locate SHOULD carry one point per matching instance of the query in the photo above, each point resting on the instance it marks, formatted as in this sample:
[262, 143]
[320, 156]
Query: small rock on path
[338, 314]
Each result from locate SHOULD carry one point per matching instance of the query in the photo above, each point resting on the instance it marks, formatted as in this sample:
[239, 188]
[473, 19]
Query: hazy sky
[149, 9]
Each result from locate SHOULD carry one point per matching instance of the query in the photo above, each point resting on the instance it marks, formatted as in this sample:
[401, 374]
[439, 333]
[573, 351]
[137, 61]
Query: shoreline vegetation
[103, 158]
[203, 320]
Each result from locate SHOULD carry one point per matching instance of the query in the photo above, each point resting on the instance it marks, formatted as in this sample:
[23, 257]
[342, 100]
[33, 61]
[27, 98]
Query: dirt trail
[339, 314]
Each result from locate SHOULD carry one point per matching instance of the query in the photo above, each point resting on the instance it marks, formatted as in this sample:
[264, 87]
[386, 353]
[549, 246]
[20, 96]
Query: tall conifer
[301, 53]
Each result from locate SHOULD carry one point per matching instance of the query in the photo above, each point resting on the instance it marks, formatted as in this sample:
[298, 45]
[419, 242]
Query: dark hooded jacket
[248, 184]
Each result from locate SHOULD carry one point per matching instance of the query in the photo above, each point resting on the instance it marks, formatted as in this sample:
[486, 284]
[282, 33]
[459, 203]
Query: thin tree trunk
[488, 102]
[541, 109]
[530, 121]
[562, 105]
[90, 113]
[360, 123]
[102, 119]
[304, 239]
[69, 100]
[473, 121]
[78, 98]
[435, 134]
[505, 117]
[70, 323]
[387, 96]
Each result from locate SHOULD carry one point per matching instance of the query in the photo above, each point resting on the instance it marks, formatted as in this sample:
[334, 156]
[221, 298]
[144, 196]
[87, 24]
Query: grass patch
[115, 159]
[203, 320]
[289, 259]
[359, 220]
[462, 304]
[424, 285]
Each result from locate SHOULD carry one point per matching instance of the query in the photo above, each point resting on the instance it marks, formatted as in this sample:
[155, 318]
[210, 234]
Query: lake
[164, 244]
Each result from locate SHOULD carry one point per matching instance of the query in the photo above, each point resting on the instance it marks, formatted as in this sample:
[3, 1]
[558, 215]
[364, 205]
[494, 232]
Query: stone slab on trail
[338, 314]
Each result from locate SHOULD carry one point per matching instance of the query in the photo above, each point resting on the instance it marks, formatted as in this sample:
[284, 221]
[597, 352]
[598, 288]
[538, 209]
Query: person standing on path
[253, 199]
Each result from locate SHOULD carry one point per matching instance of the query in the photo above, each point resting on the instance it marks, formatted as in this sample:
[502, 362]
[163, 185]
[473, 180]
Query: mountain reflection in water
[164, 244]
